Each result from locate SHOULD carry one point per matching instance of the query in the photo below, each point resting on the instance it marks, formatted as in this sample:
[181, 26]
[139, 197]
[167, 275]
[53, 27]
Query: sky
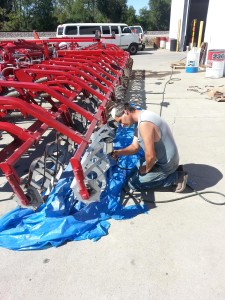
[138, 4]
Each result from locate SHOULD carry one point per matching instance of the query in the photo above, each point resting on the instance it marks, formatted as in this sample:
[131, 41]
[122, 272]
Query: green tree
[77, 11]
[63, 10]
[26, 14]
[47, 14]
[159, 14]
[85, 11]
[18, 16]
[42, 15]
[7, 5]
[2, 17]
[131, 18]
[29, 15]
[113, 10]
[13, 23]
[143, 18]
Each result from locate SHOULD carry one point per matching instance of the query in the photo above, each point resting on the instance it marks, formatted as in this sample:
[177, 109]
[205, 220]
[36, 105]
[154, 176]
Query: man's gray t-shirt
[167, 157]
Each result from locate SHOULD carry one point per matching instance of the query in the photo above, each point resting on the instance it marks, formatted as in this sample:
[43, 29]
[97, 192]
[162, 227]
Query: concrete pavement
[176, 251]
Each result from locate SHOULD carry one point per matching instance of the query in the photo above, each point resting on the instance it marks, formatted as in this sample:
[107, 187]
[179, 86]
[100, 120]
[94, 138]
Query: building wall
[215, 24]
[177, 10]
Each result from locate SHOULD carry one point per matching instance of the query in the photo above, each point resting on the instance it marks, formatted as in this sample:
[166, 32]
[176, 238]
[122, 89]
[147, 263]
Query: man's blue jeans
[157, 177]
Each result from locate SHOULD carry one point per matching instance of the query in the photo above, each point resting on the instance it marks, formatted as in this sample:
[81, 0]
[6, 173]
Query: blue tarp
[62, 218]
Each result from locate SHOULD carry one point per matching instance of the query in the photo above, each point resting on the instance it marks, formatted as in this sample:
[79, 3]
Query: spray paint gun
[108, 145]
[109, 151]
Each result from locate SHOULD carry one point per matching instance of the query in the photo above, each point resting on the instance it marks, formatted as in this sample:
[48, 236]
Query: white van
[124, 37]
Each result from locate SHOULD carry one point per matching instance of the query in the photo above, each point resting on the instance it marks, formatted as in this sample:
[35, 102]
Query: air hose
[183, 197]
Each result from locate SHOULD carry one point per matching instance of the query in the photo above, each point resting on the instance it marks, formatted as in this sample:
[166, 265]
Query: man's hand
[115, 154]
[142, 170]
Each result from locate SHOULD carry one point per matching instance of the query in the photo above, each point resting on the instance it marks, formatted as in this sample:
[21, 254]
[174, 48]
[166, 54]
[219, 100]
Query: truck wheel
[143, 47]
[133, 48]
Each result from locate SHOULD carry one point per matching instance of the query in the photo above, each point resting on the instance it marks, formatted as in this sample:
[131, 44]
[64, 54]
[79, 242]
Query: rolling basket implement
[56, 86]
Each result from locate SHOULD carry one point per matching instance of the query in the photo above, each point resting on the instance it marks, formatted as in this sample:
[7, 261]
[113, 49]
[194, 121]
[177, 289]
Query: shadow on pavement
[136, 93]
[202, 176]
[136, 198]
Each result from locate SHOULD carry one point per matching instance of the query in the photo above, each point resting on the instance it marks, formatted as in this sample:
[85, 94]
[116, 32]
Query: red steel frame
[95, 71]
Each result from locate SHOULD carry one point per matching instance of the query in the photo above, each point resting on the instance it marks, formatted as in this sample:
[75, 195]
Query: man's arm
[131, 149]
[148, 134]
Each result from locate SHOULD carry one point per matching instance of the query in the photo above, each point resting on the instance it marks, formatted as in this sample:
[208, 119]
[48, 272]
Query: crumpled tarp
[62, 218]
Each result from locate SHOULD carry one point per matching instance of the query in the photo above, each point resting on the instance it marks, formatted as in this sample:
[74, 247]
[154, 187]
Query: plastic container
[162, 42]
[215, 63]
[216, 71]
[167, 44]
[192, 62]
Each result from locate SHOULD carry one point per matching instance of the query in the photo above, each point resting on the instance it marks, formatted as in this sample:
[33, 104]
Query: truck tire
[143, 47]
[133, 48]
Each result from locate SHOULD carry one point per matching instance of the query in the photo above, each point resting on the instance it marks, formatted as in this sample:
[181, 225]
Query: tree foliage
[45, 15]
[159, 16]
[143, 18]
[42, 15]
[131, 17]
[113, 10]
[62, 10]
[30, 15]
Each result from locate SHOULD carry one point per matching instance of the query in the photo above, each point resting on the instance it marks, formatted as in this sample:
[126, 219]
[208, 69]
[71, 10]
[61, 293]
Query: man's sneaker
[181, 182]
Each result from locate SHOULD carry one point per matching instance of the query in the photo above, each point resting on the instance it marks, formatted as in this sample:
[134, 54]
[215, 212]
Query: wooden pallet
[178, 65]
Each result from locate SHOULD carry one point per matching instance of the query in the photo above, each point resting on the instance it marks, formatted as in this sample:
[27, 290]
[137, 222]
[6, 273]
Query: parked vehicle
[124, 37]
[139, 30]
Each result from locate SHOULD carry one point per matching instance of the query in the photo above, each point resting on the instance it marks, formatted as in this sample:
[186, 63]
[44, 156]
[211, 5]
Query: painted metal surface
[69, 91]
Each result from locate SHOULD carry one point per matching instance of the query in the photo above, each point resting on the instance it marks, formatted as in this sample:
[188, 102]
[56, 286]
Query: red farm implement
[45, 89]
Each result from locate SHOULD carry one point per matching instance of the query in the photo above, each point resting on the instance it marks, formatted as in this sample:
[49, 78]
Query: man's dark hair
[120, 108]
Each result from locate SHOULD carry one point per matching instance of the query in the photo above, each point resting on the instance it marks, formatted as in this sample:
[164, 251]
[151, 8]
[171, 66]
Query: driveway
[176, 250]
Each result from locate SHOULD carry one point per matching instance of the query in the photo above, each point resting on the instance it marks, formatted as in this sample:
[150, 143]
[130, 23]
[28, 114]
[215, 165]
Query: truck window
[87, 30]
[71, 30]
[115, 29]
[60, 30]
[136, 29]
[105, 30]
[126, 30]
